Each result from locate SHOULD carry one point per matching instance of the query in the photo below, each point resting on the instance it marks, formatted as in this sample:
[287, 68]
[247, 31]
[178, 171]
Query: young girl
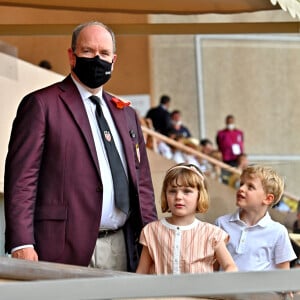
[181, 243]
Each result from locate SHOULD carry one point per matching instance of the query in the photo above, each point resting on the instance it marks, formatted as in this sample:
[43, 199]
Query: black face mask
[93, 72]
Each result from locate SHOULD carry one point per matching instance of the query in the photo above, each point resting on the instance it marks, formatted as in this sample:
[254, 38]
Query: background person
[45, 64]
[211, 170]
[207, 148]
[58, 189]
[296, 224]
[230, 141]
[160, 115]
[178, 130]
[242, 163]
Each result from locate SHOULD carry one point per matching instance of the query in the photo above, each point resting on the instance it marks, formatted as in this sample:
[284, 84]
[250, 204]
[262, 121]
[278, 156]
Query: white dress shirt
[112, 217]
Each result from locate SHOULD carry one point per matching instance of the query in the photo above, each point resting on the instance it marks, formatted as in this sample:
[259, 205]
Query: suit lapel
[71, 97]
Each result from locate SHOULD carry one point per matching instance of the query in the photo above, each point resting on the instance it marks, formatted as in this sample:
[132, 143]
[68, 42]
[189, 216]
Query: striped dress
[182, 249]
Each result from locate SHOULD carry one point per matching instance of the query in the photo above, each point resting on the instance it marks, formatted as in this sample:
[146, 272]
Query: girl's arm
[224, 258]
[145, 262]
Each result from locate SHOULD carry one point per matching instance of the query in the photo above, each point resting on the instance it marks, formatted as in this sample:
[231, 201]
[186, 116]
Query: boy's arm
[284, 265]
[145, 262]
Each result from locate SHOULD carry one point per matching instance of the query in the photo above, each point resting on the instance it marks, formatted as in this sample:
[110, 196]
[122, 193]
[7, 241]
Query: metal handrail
[201, 155]
[58, 281]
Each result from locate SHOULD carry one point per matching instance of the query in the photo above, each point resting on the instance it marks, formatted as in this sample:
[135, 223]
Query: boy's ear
[269, 199]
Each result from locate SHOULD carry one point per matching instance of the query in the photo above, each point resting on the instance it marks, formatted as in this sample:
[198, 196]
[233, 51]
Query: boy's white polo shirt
[257, 247]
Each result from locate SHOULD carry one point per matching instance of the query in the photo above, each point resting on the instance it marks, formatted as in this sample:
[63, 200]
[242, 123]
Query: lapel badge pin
[107, 135]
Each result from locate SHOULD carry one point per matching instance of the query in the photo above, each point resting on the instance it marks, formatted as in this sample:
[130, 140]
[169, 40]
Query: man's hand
[25, 253]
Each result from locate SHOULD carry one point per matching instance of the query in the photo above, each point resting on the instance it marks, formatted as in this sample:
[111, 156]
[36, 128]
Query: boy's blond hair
[189, 176]
[272, 183]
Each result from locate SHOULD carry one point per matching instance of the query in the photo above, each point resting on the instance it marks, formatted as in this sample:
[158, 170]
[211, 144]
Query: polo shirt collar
[262, 222]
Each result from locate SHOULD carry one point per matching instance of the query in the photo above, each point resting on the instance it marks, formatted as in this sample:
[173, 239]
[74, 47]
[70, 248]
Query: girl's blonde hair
[271, 182]
[188, 175]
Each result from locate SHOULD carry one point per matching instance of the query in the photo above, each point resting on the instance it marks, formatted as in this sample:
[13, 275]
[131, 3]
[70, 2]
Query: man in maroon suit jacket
[53, 188]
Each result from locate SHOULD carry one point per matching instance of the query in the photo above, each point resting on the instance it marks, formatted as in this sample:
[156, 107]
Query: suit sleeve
[145, 186]
[21, 172]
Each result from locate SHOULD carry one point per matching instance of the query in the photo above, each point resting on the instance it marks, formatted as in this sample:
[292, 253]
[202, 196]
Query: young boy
[256, 241]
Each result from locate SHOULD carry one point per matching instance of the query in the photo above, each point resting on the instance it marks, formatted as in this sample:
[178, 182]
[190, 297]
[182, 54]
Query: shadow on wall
[2, 225]
[20, 77]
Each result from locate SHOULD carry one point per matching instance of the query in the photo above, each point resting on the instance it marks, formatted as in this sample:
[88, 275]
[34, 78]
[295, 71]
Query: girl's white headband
[191, 168]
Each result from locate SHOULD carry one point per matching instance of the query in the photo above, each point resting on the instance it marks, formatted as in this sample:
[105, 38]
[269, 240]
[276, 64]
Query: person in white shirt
[256, 241]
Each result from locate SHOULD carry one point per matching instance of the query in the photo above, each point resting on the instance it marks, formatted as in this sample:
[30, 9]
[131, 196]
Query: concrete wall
[17, 78]
[254, 79]
[131, 74]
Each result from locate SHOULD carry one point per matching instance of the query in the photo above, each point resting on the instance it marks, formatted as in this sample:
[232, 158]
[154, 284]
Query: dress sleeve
[218, 236]
[143, 236]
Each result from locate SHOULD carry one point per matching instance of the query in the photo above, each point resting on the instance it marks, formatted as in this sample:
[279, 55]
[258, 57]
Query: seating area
[222, 196]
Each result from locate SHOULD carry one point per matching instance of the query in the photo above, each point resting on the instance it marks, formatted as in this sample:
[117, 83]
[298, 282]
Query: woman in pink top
[181, 243]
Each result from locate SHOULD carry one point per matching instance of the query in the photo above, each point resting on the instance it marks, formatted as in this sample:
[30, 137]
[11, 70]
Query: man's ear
[72, 59]
[113, 61]
[269, 199]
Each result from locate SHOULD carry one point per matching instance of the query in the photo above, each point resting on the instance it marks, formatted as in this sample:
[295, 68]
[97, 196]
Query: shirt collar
[84, 93]
[177, 227]
[263, 222]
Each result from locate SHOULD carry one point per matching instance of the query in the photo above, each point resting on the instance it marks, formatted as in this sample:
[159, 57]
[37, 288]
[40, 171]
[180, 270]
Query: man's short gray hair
[78, 29]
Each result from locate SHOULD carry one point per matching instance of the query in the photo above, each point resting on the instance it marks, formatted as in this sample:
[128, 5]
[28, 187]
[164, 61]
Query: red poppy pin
[120, 103]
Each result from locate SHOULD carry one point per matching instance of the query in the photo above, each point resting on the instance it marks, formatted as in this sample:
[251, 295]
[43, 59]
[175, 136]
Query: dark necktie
[120, 181]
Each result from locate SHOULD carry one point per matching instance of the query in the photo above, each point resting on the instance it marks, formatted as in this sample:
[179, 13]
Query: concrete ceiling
[147, 8]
